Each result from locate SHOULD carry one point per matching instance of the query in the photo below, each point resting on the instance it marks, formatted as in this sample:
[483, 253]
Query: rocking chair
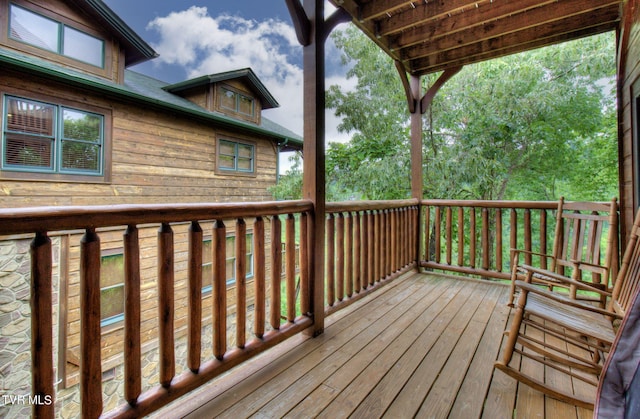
[577, 335]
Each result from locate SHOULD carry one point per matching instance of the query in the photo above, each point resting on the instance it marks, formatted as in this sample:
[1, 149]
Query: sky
[195, 38]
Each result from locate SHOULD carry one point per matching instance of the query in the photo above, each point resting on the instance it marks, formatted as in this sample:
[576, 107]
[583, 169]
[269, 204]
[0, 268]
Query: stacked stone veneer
[68, 400]
[15, 341]
[15, 324]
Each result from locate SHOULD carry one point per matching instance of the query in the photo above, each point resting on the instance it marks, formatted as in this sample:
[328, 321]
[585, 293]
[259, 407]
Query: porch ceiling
[427, 36]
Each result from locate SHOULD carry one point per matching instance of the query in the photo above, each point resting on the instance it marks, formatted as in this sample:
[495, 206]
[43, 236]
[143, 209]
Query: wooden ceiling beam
[422, 14]
[544, 15]
[549, 11]
[455, 58]
[375, 9]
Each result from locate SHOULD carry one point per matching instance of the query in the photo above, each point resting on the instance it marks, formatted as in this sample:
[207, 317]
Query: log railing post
[132, 348]
[90, 365]
[290, 267]
[41, 327]
[304, 264]
[259, 258]
[276, 270]
[472, 237]
[357, 252]
[340, 256]
[349, 255]
[543, 238]
[241, 282]
[498, 227]
[484, 241]
[330, 272]
[194, 339]
[219, 289]
[527, 236]
[166, 304]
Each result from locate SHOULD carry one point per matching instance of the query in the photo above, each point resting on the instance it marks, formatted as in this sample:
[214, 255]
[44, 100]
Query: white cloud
[204, 44]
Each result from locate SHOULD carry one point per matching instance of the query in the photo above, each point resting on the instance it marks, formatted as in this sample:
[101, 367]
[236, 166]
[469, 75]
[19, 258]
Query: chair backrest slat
[629, 276]
[579, 237]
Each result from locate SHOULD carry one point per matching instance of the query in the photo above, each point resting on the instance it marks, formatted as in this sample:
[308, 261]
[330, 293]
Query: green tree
[375, 163]
[528, 126]
[289, 185]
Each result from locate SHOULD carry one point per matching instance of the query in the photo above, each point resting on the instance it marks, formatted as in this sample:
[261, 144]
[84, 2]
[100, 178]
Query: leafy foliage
[536, 125]
[289, 185]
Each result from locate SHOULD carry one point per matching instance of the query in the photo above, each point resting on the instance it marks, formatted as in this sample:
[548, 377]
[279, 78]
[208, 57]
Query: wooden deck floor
[422, 346]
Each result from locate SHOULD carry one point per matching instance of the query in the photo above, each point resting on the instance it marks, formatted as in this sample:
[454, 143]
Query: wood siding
[155, 157]
[62, 12]
[629, 79]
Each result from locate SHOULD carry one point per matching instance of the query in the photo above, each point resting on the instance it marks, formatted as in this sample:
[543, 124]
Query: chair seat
[581, 321]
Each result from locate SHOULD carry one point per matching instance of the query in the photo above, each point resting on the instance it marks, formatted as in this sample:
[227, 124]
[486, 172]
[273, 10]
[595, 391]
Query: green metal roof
[147, 91]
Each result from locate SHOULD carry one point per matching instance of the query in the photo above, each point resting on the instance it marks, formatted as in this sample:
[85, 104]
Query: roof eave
[123, 93]
[137, 49]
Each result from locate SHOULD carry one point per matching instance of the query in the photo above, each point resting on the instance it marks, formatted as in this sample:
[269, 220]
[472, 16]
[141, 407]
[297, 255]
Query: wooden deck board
[422, 342]
[471, 395]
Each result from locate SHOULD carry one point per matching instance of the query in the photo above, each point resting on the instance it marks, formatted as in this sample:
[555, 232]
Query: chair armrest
[564, 300]
[529, 252]
[591, 267]
[565, 280]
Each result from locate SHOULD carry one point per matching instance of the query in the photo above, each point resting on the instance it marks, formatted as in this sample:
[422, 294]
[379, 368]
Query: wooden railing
[475, 237]
[91, 221]
[368, 244]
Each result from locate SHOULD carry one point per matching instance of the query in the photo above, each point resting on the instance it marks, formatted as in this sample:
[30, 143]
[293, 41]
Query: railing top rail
[344, 206]
[43, 219]
[491, 204]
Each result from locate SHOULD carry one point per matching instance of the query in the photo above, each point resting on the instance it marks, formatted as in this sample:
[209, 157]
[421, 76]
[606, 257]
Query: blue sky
[195, 38]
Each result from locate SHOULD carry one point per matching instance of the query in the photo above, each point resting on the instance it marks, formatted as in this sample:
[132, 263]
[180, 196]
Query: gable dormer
[238, 94]
[81, 35]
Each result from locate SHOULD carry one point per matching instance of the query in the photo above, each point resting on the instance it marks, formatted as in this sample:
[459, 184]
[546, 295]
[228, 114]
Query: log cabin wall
[629, 110]
[114, 64]
[152, 155]
[155, 156]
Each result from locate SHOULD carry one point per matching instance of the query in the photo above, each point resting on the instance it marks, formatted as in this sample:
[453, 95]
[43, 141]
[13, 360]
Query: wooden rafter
[431, 35]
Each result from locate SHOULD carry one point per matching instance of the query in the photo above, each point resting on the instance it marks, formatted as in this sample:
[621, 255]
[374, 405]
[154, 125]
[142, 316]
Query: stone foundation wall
[15, 341]
[15, 324]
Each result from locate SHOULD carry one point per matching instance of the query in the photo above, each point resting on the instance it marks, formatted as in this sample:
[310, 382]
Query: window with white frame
[49, 138]
[48, 34]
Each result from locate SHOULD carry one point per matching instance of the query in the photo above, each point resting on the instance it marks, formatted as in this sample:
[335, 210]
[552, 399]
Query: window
[42, 32]
[111, 289]
[236, 102]
[236, 157]
[42, 137]
[207, 265]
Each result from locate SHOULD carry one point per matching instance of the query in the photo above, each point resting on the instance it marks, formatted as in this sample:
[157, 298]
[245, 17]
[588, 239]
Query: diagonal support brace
[301, 22]
[411, 101]
[426, 100]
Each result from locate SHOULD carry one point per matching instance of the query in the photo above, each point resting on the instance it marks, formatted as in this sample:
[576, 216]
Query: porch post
[314, 154]
[416, 159]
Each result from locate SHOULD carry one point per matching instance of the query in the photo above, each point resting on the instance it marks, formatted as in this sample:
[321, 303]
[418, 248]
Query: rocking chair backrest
[579, 232]
[628, 279]
[618, 394]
